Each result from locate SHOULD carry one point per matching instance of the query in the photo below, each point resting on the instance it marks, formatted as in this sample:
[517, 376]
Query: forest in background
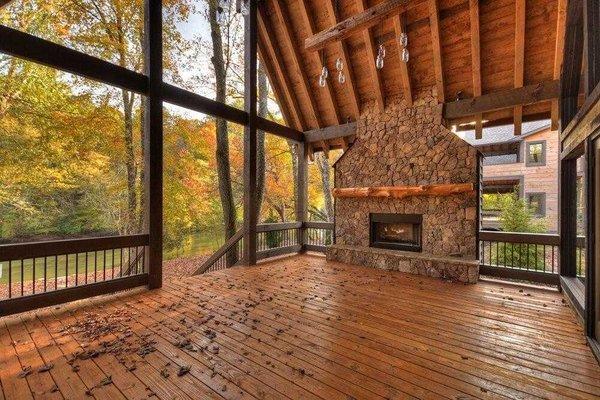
[71, 153]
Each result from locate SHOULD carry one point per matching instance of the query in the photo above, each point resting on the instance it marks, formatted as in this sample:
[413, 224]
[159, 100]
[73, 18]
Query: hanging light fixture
[405, 55]
[339, 66]
[380, 56]
[324, 72]
[404, 43]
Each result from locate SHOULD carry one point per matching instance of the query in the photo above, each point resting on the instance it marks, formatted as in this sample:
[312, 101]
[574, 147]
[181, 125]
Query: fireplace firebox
[396, 231]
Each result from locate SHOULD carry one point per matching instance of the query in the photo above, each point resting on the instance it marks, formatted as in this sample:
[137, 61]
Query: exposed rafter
[328, 86]
[434, 23]
[266, 36]
[558, 55]
[363, 20]
[371, 55]
[343, 49]
[476, 60]
[519, 59]
[289, 41]
[399, 29]
[504, 99]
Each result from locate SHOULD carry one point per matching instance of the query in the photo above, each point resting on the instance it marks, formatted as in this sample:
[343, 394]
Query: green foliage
[517, 216]
[273, 239]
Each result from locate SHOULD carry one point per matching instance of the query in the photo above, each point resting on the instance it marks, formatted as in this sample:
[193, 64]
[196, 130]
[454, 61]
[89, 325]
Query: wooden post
[302, 195]
[153, 140]
[568, 216]
[250, 95]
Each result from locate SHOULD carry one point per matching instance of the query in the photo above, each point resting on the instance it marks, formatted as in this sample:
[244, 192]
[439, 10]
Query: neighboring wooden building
[527, 163]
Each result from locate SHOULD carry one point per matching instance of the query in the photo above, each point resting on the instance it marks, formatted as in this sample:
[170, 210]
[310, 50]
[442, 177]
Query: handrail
[520, 237]
[17, 251]
[278, 226]
[319, 225]
[232, 241]
[551, 239]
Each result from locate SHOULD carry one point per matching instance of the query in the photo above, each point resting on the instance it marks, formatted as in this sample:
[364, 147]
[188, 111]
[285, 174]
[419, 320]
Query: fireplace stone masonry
[409, 146]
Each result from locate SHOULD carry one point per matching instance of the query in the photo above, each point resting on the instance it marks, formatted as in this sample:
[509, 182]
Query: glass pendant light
[380, 57]
[322, 80]
[325, 72]
[339, 64]
[404, 39]
[341, 78]
[405, 55]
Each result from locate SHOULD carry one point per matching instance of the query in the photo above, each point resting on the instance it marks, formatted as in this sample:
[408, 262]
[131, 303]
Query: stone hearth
[409, 146]
[451, 268]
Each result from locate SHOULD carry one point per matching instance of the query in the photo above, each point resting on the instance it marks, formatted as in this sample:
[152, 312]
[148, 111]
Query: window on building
[536, 154]
[537, 203]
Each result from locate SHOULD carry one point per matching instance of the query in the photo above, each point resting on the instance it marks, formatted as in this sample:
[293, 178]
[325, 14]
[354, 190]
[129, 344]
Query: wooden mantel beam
[359, 22]
[399, 192]
[503, 99]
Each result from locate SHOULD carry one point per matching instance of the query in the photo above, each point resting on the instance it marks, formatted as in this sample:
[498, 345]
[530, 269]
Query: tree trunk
[263, 99]
[130, 161]
[323, 163]
[222, 153]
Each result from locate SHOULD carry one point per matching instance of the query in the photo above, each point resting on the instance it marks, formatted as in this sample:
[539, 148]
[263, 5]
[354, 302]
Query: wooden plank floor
[302, 328]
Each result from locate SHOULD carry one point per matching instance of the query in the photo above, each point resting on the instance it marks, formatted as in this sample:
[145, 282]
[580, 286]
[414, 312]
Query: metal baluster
[22, 278]
[45, 274]
[112, 263]
[120, 262]
[95, 266]
[86, 267]
[66, 270]
[77, 269]
[33, 275]
[55, 272]
[103, 265]
[9, 279]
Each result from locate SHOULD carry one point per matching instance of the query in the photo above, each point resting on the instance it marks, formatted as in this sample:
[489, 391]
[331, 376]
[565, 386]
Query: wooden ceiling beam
[266, 36]
[476, 60]
[558, 56]
[371, 56]
[399, 29]
[348, 69]
[308, 21]
[330, 133]
[503, 99]
[284, 20]
[519, 68]
[366, 18]
[434, 24]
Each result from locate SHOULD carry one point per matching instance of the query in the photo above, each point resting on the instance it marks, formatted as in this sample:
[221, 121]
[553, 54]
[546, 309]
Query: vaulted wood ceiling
[466, 48]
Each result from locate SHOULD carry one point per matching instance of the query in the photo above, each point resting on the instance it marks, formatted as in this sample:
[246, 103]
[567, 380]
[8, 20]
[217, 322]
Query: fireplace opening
[396, 231]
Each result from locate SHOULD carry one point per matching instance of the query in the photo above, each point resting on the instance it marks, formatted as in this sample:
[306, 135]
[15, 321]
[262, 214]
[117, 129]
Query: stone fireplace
[405, 194]
[395, 231]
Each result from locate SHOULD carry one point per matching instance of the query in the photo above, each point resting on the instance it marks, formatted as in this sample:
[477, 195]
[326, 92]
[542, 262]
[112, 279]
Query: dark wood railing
[226, 256]
[274, 239]
[527, 256]
[53, 272]
[318, 235]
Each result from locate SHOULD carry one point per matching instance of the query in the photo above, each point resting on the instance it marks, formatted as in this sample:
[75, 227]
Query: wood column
[153, 141]
[568, 216]
[250, 97]
[302, 195]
